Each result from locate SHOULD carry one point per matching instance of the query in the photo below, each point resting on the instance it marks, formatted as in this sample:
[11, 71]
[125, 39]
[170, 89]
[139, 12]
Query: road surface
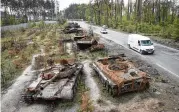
[165, 57]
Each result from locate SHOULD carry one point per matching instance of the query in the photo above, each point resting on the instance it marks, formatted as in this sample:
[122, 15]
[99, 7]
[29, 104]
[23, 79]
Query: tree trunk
[158, 11]
[128, 10]
[116, 13]
[139, 10]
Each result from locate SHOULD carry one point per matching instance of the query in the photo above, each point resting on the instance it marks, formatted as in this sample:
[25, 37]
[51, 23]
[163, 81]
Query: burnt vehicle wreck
[72, 28]
[120, 75]
[88, 42]
[55, 82]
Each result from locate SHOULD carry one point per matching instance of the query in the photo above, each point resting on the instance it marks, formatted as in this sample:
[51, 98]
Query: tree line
[156, 17]
[19, 11]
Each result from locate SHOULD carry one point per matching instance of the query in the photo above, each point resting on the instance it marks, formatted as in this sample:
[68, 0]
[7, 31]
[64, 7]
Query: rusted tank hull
[84, 43]
[63, 87]
[125, 85]
[71, 30]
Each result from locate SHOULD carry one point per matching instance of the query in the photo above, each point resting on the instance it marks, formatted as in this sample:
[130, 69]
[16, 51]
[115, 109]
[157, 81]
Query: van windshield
[146, 43]
[103, 29]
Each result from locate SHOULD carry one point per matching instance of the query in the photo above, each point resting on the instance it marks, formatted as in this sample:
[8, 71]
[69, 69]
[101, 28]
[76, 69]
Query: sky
[65, 3]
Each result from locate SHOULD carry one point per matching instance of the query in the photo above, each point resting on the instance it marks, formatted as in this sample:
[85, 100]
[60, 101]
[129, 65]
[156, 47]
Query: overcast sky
[65, 3]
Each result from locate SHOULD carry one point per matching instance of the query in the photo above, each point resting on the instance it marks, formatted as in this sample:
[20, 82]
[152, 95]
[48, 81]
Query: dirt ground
[162, 95]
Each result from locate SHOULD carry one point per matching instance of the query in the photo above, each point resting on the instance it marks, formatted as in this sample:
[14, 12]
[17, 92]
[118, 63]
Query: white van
[140, 43]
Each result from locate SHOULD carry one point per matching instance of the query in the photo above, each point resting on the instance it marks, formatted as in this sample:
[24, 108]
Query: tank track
[28, 97]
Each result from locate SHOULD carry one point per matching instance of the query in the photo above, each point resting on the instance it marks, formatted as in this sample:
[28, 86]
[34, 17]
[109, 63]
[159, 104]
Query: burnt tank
[72, 28]
[120, 75]
[55, 82]
[86, 41]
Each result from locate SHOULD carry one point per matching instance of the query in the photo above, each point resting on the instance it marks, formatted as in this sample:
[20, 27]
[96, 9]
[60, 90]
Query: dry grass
[86, 104]
[19, 46]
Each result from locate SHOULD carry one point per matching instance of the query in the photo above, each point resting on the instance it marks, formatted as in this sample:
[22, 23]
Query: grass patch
[98, 54]
[19, 46]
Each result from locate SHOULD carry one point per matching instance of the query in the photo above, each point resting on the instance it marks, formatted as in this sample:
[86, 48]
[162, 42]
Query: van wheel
[152, 52]
[141, 52]
[129, 46]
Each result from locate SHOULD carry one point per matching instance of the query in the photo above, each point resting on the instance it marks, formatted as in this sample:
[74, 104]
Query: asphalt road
[164, 57]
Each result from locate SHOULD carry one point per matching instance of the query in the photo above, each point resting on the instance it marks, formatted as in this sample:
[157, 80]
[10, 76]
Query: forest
[149, 17]
[22, 11]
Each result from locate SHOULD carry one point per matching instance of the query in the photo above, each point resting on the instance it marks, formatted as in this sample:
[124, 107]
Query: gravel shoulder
[168, 42]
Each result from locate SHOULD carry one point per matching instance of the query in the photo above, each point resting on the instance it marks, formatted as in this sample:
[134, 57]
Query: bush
[144, 28]
[168, 31]
[12, 20]
[31, 24]
[22, 29]
[61, 21]
[8, 72]
[131, 28]
[156, 28]
[175, 33]
[41, 24]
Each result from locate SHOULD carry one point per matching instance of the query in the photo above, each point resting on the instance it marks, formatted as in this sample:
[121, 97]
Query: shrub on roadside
[156, 29]
[176, 29]
[41, 24]
[61, 21]
[8, 72]
[131, 28]
[31, 24]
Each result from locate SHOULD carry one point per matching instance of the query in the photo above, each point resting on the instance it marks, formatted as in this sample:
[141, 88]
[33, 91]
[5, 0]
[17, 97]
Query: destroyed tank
[120, 75]
[55, 82]
[86, 40]
[72, 28]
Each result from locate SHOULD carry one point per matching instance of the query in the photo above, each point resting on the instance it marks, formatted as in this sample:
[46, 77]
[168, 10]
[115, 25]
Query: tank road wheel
[28, 98]
[106, 83]
[108, 88]
[147, 85]
[75, 88]
[141, 52]
[113, 91]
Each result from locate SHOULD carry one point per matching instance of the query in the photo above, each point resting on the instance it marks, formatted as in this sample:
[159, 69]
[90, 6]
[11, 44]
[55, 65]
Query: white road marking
[166, 47]
[170, 55]
[167, 70]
